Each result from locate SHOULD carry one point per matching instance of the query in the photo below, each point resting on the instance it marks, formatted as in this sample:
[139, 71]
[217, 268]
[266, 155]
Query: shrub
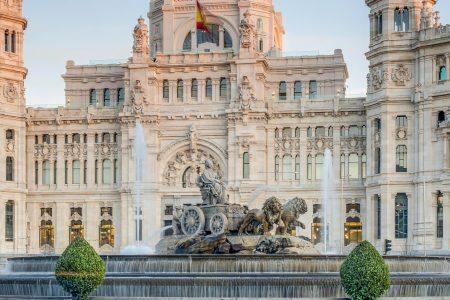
[80, 270]
[364, 274]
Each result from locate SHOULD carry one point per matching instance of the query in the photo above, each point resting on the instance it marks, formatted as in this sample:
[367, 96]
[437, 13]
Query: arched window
[92, 97]
[223, 87]
[180, 90]
[210, 36]
[9, 221]
[106, 171]
[106, 97]
[76, 172]
[9, 168]
[364, 130]
[166, 90]
[379, 23]
[246, 165]
[186, 178]
[46, 172]
[363, 166]
[297, 167]
[75, 138]
[120, 96]
[313, 89]
[398, 19]
[343, 131]
[106, 233]
[10, 135]
[353, 166]
[7, 45]
[47, 234]
[277, 168]
[342, 164]
[187, 44]
[297, 90]
[353, 130]
[401, 216]
[297, 132]
[309, 162]
[316, 230]
[440, 215]
[402, 158]
[287, 167]
[194, 89]
[208, 88]
[442, 73]
[227, 41]
[282, 92]
[309, 132]
[287, 133]
[13, 42]
[277, 133]
[405, 19]
[106, 138]
[259, 24]
[330, 131]
[76, 230]
[319, 166]
[352, 231]
[320, 132]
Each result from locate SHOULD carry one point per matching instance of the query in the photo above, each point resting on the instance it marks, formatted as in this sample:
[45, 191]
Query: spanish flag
[200, 18]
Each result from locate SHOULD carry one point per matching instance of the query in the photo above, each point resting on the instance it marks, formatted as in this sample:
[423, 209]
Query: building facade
[230, 95]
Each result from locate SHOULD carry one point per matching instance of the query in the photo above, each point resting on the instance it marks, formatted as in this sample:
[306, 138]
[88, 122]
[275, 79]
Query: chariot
[212, 219]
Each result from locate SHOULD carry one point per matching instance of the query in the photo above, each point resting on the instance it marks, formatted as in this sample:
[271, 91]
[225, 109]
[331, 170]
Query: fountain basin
[227, 276]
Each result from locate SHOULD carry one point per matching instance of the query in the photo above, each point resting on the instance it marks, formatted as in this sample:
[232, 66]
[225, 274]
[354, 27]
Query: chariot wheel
[192, 220]
[218, 223]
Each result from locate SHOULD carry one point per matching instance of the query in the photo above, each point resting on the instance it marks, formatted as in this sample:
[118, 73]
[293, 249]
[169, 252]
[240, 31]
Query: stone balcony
[434, 33]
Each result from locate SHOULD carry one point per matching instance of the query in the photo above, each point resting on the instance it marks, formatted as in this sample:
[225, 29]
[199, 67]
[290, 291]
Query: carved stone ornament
[377, 77]
[141, 38]
[247, 30]
[193, 138]
[400, 75]
[10, 92]
[246, 94]
[138, 98]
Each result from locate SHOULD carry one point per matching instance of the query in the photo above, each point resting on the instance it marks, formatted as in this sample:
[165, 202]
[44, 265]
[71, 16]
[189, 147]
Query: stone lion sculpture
[290, 214]
[261, 221]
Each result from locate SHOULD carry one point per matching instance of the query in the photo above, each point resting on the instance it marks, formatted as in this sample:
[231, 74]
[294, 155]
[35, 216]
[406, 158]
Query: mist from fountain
[140, 155]
[329, 205]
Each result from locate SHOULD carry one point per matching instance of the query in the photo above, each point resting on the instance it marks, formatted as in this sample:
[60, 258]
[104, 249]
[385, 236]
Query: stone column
[187, 91]
[303, 156]
[172, 91]
[62, 223]
[270, 134]
[33, 215]
[216, 90]
[60, 161]
[91, 221]
[447, 63]
[194, 40]
[201, 90]
[221, 37]
[289, 91]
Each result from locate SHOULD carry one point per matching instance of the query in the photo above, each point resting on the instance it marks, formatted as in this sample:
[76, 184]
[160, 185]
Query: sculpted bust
[211, 187]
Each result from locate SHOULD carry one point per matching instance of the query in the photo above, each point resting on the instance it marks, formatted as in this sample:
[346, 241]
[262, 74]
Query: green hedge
[80, 270]
[364, 274]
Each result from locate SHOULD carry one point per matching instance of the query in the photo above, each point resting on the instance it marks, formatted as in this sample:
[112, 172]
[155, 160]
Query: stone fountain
[222, 250]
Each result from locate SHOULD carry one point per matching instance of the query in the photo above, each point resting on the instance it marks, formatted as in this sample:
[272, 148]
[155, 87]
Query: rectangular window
[55, 172]
[96, 171]
[313, 89]
[66, 172]
[116, 171]
[297, 167]
[85, 165]
[309, 167]
[9, 221]
[36, 172]
[246, 166]
[440, 216]
[401, 216]
[120, 96]
[378, 217]
[377, 160]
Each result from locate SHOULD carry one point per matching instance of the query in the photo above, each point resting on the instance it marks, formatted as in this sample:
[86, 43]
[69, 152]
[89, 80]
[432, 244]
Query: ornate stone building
[264, 119]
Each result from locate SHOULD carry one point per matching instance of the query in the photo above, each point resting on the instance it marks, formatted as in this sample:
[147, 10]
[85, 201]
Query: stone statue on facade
[138, 98]
[247, 30]
[141, 38]
[211, 186]
[246, 94]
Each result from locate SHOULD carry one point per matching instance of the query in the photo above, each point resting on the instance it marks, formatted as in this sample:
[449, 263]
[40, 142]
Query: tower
[398, 130]
[12, 128]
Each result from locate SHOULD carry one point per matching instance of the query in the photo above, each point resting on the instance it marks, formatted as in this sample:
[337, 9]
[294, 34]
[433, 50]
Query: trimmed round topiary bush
[80, 270]
[364, 274]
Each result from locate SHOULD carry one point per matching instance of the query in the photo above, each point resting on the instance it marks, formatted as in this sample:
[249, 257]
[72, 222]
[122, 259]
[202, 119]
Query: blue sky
[84, 30]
